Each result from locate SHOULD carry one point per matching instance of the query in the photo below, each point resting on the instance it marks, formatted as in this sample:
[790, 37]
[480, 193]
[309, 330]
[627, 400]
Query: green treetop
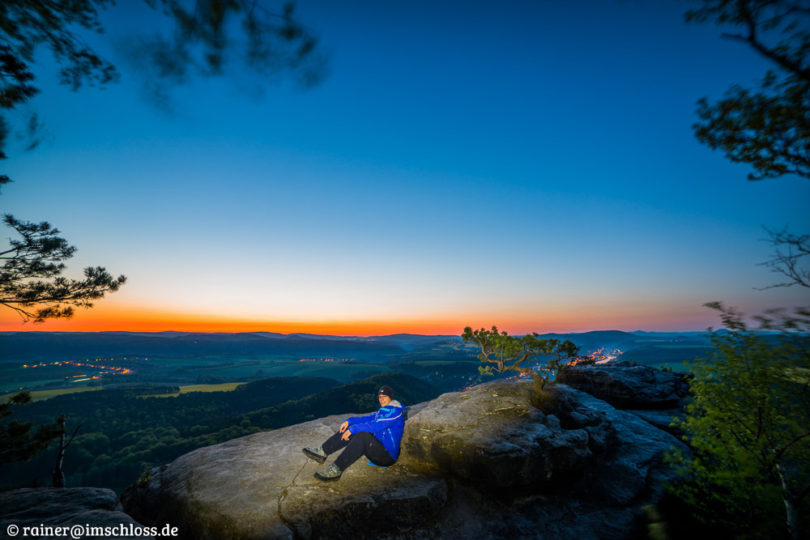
[527, 355]
[749, 427]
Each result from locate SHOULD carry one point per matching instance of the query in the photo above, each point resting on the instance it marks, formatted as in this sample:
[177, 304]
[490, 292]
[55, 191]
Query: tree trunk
[541, 397]
[791, 515]
[58, 474]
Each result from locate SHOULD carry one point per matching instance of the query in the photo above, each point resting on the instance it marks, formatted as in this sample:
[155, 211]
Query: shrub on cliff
[749, 428]
[527, 355]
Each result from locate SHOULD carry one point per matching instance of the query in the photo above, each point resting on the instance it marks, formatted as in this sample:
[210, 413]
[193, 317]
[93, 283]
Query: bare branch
[790, 251]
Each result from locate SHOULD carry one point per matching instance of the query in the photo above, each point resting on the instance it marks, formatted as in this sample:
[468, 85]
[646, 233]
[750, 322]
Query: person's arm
[360, 419]
[387, 417]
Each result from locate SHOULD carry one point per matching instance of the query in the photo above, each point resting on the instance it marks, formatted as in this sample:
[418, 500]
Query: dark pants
[360, 443]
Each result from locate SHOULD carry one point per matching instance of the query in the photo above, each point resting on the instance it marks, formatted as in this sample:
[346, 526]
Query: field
[224, 387]
[41, 395]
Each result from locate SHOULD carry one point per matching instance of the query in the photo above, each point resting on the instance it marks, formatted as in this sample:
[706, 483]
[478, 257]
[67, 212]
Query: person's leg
[331, 445]
[334, 443]
[377, 453]
[363, 443]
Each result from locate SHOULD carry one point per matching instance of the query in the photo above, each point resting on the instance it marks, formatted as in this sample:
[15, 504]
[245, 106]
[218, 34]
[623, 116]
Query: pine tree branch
[752, 39]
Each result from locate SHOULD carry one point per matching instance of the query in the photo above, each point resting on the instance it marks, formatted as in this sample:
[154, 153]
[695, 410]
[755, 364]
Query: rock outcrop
[480, 463]
[44, 509]
[262, 486]
[627, 385]
[492, 436]
[654, 395]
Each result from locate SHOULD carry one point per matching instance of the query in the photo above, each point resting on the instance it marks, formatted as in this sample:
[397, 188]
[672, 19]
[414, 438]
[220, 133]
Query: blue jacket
[386, 424]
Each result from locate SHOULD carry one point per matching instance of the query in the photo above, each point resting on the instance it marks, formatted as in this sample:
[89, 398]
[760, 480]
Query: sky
[529, 165]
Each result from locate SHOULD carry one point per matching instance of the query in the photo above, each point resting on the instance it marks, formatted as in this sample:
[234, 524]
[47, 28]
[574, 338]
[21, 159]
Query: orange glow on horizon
[115, 318]
[105, 319]
[339, 328]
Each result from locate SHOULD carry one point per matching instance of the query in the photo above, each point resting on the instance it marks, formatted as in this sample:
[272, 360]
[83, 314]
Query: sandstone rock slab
[492, 435]
[627, 385]
[262, 486]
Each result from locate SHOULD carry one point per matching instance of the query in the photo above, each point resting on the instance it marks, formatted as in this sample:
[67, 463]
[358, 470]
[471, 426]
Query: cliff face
[479, 463]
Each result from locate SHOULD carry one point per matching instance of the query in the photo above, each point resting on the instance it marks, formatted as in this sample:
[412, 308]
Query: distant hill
[630, 340]
[29, 346]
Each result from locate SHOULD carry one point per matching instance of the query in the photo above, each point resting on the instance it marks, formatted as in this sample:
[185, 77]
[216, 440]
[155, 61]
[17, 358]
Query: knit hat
[386, 391]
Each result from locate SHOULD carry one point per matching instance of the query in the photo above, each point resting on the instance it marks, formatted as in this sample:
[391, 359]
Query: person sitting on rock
[377, 436]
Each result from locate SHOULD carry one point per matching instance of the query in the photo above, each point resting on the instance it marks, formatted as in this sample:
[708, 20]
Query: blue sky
[528, 164]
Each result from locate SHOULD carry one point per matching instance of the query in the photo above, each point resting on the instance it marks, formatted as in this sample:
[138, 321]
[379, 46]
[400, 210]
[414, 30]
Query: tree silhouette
[30, 278]
[790, 252]
[768, 127]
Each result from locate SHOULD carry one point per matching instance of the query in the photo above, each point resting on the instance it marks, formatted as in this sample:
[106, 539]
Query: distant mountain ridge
[300, 335]
[56, 345]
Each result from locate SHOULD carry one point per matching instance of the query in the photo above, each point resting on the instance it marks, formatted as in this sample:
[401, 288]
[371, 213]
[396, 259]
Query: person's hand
[346, 435]
[343, 426]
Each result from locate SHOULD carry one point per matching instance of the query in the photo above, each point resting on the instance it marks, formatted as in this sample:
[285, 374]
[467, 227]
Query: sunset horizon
[100, 319]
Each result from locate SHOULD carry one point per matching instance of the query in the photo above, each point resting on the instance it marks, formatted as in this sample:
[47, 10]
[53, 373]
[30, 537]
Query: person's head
[385, 394]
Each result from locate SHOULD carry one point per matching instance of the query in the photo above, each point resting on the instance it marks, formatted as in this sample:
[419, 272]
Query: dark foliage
[768, 128]
[18, 442]
[748, 426]
[30, 278]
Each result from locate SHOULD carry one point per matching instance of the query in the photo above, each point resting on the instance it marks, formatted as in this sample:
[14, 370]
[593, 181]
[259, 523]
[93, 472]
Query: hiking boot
[315, 453]
[332, 472]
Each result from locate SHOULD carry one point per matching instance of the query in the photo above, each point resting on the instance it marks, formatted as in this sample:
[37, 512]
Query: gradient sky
[525, 164]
